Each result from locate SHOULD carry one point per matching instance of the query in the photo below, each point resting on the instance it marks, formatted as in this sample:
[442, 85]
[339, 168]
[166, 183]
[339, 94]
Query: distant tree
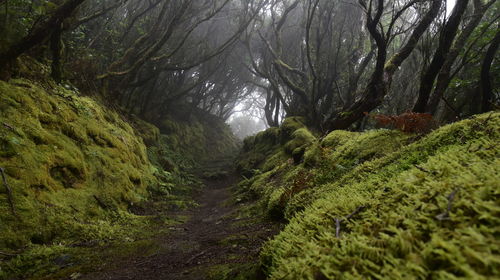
[244, 126]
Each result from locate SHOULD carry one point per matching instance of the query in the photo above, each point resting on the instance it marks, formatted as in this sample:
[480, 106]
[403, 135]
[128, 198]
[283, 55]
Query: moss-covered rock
[273, 166]
[302, 138]
[288, 127]
[69, 162]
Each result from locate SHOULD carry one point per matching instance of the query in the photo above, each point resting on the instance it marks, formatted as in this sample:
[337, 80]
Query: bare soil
[213, 244]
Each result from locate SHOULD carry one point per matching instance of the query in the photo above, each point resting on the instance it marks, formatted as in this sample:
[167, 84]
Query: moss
[301, 138]
[338, 137]
[406, 191]
[149, 133]
[269, 162]
[202, 138]
[289, 126]
[274, 205]
[274, 160]
[8, 147]
[256, 149]
[313, 155]
[234, 271]
[60, 151]
[78, 170]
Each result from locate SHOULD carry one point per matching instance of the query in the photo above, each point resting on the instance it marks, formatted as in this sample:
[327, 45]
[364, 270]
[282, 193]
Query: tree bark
[486, 88]
[445, 41]
[56, 47]
[381, 78]
[40, 34]
[444, 77]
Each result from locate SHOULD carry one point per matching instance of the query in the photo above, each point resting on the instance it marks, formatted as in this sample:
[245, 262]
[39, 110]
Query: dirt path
[213, 239]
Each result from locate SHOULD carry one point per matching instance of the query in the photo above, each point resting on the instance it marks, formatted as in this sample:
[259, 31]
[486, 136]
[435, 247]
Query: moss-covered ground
[380, 204]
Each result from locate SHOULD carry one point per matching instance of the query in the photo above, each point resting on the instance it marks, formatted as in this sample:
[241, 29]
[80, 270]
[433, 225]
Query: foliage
[408, 122]
[202, 137]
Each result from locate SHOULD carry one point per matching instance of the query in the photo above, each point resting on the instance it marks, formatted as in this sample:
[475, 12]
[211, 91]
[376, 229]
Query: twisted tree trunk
[40, 34]
[445, 41]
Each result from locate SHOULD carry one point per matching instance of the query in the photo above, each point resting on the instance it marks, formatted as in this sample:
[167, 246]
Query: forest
[249, 139]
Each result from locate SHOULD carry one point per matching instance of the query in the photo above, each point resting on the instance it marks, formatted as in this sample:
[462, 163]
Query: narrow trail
[212, 239]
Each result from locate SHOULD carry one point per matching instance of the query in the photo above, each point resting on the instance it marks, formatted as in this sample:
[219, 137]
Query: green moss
[149, 133]
[256, 149]
[313, 155]
[78, 170]
[276, 159]
[301, 138]
[8, 146]
[289, 126]
[234, 271]
[405, 229]
[202, 138]
[69, 162]
[338, 137]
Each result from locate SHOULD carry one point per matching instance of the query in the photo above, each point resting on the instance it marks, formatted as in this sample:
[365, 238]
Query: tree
[486, 87]
[40, 32]
[448, 33]
[444, 77]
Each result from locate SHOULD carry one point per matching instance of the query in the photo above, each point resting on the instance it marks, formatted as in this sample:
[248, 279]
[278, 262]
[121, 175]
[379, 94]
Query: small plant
[302, 181]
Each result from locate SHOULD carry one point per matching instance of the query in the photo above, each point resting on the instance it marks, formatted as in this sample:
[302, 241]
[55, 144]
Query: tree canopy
[331, 62]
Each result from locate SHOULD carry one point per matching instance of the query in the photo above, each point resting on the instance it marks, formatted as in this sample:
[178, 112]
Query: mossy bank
[379, 204]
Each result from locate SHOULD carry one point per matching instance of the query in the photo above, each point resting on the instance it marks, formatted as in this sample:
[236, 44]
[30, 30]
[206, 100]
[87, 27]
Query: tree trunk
[444, 76]
[486, 88]
[56, 49]
[381, 78]
[277, 112]
[445, 41]
[40, 34]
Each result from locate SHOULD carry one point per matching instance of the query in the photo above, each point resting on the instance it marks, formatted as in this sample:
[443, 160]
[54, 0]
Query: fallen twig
[446, 214]
[337, 227]
[355, 212]
[9, 193]
[195, 257]
[100, 203]
[487, 119]
[421, 168]
[8, 254]
[8, 126]
[339, 221]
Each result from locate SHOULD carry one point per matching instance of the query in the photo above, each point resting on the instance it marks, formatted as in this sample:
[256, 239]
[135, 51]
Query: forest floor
[214, 242]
